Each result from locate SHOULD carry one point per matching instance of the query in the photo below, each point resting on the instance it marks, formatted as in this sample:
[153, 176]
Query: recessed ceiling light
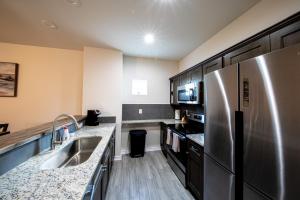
[149, 38]
[74, 2]
[49, 24]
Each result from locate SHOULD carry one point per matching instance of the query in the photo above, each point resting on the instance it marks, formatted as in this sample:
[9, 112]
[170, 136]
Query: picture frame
[9, 79]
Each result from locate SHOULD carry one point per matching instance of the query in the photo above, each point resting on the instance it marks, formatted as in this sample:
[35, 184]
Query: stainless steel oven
[180, 156]
[178, 159]
[191, 93]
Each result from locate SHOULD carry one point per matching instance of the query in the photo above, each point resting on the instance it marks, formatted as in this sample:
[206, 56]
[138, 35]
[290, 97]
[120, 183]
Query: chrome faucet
[53, 141]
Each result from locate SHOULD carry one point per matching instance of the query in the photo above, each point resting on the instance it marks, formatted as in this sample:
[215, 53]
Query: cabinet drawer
[195, 148]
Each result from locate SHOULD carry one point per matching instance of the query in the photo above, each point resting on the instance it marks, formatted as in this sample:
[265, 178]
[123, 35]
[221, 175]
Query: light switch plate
[140, 111]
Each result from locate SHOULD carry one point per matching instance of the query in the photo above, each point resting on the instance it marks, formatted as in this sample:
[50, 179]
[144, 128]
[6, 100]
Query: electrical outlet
[140, 111]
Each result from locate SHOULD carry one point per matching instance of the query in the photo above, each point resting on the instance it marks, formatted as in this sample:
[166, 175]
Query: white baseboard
[118, 157]
[151, 148]
[124, 151]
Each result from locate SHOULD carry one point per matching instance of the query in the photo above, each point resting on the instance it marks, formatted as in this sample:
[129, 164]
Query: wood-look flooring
[146, 178]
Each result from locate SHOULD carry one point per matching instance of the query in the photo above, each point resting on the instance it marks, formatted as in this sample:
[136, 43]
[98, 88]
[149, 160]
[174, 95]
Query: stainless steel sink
[75, 153]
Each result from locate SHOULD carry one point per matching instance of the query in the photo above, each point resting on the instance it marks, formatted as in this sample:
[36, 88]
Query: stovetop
[188, 128]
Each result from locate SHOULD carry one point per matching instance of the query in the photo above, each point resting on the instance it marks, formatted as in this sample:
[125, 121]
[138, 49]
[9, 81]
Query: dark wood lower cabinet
[106, 172]
[195, 164]
[99, 183]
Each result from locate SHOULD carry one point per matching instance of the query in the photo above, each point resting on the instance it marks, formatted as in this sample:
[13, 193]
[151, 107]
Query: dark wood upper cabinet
[185, 78]
[196, 74]
[175, 83]
[212, 65]
[286, 37]
[256, 48]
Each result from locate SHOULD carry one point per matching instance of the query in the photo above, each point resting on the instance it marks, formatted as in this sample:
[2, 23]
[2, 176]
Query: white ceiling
[179, 26]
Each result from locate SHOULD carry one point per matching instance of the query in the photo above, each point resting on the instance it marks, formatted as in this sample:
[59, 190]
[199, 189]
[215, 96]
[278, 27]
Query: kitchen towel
[176, 143]
[169, 137]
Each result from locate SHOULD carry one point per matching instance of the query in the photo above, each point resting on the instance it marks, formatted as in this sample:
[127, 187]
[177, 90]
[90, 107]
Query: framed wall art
[8, 79]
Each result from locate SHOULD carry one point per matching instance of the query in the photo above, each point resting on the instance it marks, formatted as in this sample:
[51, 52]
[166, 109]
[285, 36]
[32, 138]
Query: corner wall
[102, 85]
[261, 16]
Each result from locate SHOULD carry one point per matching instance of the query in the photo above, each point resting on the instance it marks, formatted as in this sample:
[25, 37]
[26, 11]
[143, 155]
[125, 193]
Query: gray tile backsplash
[150, 111]
[108, 119]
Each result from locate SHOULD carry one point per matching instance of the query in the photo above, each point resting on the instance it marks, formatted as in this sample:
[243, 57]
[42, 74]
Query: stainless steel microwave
[191, 93]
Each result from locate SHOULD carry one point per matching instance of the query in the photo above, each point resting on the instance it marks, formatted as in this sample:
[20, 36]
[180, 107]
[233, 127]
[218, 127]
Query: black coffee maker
[93, 118]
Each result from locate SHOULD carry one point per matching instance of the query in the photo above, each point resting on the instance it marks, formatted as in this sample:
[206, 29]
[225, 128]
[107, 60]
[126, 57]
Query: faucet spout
[54, 124]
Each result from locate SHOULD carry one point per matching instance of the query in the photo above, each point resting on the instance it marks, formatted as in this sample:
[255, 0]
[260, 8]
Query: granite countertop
[166, 121]
[19, 138]
[198, 138]
[29, 181]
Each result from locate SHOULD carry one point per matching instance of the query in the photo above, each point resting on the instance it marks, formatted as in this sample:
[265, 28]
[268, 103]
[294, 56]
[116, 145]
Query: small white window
[139, 87]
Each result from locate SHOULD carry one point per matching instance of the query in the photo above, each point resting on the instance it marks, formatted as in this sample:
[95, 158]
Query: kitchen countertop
[28, 181]
[166, 121]
[19, 138]
[198, 138]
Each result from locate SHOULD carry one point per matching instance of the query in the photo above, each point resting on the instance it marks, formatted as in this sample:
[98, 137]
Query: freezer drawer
[219, 183]
[221, 102]
[270, 102]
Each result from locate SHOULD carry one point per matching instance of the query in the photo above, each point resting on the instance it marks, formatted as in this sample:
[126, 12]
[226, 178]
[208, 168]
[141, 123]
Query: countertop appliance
[191, 93]
[177, 114]
[251, 131]
[93, 118]
[178, 160]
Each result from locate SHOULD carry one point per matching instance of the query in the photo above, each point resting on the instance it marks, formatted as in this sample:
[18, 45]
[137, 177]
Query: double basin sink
[76, 152]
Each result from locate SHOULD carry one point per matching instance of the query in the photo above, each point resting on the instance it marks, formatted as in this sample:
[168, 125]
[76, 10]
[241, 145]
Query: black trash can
[137, 143]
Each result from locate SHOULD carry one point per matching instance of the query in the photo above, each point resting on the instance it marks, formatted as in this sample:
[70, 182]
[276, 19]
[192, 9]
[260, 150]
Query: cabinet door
[95, 192]
[256, 48]
[175, 85]
[185, 78]
[112, 150]
[105, 178]
[195, 170]
[286, 36]
[196, 74]
[212, 65]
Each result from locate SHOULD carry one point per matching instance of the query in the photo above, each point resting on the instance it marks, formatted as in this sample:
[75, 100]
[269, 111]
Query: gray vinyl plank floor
[146, 178]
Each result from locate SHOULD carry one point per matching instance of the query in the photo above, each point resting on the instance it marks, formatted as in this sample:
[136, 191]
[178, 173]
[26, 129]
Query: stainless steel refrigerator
[266, 138]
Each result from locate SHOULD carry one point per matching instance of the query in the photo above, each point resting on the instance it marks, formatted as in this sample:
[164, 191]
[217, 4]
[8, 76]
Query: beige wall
[156, 72]
[102, 84]
[50, 83]
[261, 16]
